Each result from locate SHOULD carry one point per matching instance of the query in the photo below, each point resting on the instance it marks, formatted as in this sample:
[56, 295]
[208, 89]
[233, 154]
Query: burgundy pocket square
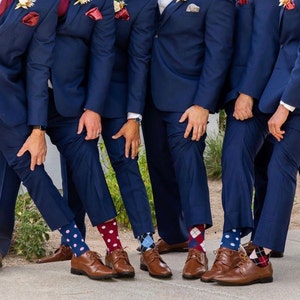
[31, 19]
[94, 14]
[291, 5]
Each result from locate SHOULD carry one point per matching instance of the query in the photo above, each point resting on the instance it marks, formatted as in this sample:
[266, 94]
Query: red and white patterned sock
[196, 238]
[259, 257]
[109, 232]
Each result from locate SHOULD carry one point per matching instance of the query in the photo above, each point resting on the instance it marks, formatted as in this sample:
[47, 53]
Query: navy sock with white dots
[73, 237]
[231, 239]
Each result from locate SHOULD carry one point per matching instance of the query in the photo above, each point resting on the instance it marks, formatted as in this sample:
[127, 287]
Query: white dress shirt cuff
[131, 115]
[287, 106]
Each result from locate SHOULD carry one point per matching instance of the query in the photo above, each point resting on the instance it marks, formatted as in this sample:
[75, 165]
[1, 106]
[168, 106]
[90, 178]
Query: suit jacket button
[156, 36]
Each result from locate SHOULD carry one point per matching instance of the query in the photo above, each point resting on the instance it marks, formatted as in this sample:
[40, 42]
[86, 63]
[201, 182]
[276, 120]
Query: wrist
[39, 127]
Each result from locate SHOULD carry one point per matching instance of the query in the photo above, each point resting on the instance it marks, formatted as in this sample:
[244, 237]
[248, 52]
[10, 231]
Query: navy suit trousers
[169, 215]
[188, 166]
[242, 142]
[39, 185]
[83, 163]
[283, 168]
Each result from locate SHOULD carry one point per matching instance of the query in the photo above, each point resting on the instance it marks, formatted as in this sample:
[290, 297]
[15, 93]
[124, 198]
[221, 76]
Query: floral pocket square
[193, 8]
[31, 19]
[94, 14]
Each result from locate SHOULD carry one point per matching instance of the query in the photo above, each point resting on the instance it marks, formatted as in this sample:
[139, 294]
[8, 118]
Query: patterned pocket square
[193, 8]
[94, 14]
[31, 19]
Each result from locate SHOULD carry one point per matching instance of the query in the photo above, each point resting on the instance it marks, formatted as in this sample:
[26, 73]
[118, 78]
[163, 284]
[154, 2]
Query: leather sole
[81, 272]
[261, 280]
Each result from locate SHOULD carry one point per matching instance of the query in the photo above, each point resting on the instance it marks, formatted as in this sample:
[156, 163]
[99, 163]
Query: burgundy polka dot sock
[196, 238]
[73, 237]
[110, 234]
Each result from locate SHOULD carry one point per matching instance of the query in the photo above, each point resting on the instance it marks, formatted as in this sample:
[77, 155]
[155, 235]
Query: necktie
[63, 7]
[3, 5]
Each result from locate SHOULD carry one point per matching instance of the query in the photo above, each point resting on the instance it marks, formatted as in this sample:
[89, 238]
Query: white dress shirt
[162, 4]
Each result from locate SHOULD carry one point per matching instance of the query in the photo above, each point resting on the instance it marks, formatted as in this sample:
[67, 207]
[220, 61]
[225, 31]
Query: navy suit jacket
[83, 58]
[26, 43]
[284, 83]
[191, 54]
[255, 48]
[133, 50]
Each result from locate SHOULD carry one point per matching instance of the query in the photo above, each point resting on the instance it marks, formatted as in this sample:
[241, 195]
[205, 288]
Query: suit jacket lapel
[173, 6]
[10, 12]
[72, 12]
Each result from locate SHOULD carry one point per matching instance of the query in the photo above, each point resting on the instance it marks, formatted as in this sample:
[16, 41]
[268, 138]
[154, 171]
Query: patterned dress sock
[109, 232]
[146, 241]
[259, 257]
[73, 237]
[196, 238]
[231, 239]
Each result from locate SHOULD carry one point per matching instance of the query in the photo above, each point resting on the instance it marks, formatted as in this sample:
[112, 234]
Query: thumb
[183, 117]
[80, 127]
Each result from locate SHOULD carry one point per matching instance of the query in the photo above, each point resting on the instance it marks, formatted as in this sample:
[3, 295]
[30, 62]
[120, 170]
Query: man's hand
[37, 147]
[243, 107]
[197, 121]
[277, 120]
[92, 122]
[131, 132]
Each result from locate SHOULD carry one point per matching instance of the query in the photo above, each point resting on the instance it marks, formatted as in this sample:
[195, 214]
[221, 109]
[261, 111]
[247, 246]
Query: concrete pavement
[54, 281]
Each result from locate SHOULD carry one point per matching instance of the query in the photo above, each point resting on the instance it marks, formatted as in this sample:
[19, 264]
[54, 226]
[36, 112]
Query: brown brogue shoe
[249, 247]
[118, 261]
[61, 254]
[246, 272]
[152, 262]
[226, 259]
[90, 264]
[163, 247]
[1, 257]
[195, 264]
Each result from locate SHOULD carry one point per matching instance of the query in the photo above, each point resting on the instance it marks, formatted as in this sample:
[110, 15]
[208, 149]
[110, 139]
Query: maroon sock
[262, 259]
[110, 234]
[196, 238]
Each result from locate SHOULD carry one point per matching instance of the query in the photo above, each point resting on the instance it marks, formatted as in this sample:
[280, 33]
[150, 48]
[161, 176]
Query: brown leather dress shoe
[90, 264]
[61, 254]
[226, 259]
[118, 261]
[163, 247]
[195, 264]
[152, 262]
[245, 273]
[249, 247]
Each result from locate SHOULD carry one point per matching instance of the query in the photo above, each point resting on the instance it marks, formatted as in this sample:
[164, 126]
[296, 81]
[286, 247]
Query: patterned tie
[3, 5]
[63, 7]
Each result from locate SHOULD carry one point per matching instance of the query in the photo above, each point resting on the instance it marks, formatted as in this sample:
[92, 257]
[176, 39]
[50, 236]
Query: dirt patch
[215, 232]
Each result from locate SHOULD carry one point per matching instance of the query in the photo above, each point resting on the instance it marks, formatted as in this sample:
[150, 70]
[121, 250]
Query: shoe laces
[153, 255]
[96, 256]
[194, 253]
[244, 259]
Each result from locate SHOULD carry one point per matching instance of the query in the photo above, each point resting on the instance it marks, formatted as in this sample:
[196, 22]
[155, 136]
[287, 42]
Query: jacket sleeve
[264, 48]
[101, 59]
[38, 63]
[139, 52]
[219, 30]
[292, 91]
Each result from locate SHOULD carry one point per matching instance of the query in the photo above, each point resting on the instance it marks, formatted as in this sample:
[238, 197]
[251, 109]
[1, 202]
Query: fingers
[276, 131]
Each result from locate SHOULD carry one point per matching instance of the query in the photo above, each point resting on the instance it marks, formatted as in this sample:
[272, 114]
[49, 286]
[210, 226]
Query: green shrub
[212, 156]
[31, 231]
